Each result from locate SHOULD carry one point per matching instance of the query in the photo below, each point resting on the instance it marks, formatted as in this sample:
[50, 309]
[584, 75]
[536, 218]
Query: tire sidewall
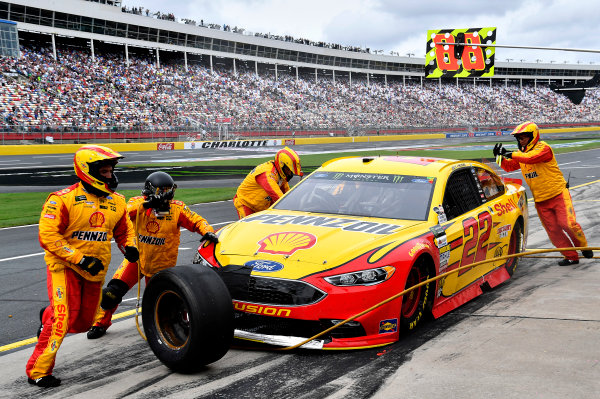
[210, 313]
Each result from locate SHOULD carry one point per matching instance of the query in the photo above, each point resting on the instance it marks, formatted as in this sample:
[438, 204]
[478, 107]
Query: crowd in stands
[76, 92]
[228, 28]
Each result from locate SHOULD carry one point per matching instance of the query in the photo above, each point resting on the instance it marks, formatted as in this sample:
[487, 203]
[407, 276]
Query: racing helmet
[87, 163]
[531, 130]
[288, 158]
[159, 190]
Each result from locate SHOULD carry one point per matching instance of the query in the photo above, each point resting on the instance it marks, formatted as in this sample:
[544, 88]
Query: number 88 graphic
[472, 57]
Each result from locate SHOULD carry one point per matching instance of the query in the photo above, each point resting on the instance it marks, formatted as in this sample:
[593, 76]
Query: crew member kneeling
[157, 218]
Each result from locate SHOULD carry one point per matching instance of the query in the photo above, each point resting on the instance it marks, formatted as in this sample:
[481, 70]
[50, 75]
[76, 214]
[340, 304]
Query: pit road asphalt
[537, 335]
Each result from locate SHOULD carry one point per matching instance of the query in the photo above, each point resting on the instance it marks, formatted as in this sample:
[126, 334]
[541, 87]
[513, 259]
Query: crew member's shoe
[568, 262]
[41, 327]
[588, 253]
[47, 381]
[96, 332]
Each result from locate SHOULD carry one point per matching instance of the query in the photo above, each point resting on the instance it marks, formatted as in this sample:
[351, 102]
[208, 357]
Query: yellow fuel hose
[139, 282]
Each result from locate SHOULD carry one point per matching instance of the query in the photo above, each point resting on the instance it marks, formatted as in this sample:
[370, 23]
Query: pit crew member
[157, 218]
[267, 182]
[552, 199]
[76, 227]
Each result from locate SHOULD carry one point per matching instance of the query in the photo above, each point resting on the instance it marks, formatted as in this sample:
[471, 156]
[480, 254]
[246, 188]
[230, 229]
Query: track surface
[534, 336]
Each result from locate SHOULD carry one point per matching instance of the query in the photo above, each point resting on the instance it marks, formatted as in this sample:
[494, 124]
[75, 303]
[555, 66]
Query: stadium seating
[76, 93]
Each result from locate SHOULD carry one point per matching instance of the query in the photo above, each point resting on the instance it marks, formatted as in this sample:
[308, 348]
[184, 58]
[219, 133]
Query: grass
[24, 208]
[313, 161]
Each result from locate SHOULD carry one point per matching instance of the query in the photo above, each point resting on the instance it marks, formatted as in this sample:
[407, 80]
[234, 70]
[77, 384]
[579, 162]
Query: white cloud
[402, 26]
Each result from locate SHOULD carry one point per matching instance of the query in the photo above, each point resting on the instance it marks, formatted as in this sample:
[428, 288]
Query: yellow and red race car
[359, 230]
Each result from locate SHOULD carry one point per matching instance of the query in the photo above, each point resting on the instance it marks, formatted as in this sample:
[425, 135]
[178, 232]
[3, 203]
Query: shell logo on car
[286, 242]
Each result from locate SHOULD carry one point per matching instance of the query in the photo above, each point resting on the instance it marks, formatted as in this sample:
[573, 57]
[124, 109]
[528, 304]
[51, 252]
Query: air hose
[139, 274]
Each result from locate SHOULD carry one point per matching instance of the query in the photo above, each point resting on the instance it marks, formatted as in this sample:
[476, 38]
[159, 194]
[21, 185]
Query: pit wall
[167, 146]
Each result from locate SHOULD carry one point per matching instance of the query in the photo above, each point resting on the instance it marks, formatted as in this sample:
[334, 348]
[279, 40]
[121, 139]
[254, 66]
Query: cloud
[402, 26]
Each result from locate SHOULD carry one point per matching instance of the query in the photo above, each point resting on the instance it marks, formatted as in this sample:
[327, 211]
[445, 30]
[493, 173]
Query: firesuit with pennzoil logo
[73, 224]
[158, 243]
[261, 188]
[549, 188]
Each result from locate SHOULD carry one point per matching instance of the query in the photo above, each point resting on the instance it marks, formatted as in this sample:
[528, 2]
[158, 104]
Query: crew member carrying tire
[157, 218]
[266, 183]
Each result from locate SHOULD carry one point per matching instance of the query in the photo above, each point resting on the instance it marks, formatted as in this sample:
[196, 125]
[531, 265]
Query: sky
[401, 25]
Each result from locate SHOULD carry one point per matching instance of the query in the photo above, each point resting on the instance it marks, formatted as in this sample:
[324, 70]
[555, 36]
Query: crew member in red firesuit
[157, 218]
[267, 182]
[552, 199]
[76, 227]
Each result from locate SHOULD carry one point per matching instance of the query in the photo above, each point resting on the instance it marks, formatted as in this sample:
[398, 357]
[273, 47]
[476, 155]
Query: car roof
[395, 164]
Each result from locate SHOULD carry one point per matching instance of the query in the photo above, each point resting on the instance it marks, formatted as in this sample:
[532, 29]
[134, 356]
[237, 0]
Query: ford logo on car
[264, 266]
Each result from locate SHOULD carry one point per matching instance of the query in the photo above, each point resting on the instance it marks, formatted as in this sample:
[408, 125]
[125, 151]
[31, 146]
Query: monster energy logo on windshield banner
[367, 177]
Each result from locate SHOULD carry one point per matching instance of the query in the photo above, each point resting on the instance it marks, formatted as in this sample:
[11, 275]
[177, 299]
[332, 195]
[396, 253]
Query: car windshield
[362, 194]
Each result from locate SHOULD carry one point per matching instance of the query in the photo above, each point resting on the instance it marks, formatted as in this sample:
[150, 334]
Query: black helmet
[159, 189]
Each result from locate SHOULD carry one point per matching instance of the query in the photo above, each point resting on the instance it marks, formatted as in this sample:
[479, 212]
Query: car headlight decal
[362, 277]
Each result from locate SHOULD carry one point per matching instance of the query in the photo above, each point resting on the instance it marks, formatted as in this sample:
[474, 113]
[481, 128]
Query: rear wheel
[188, 317]
[416, 304]
[515, 246]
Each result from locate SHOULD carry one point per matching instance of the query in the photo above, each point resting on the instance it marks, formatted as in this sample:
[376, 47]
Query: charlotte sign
[230, 144]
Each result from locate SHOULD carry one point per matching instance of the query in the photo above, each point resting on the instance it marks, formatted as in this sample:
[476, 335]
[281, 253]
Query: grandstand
[93, 70]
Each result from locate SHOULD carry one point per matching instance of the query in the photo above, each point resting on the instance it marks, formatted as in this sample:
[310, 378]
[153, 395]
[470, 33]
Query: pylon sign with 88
[452, 61]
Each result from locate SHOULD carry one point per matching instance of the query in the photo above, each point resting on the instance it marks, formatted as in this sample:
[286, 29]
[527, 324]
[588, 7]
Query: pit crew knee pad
[113, 293]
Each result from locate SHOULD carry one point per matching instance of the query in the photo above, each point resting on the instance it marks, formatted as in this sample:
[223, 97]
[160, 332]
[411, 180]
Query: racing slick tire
[187, 315]
[515, 246]
[416, 304]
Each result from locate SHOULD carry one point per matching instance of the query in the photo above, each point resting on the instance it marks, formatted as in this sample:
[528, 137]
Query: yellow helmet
[87, 162]
[286, 157]
[530, 129]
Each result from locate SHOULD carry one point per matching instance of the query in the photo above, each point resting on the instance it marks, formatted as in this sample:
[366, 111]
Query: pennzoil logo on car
[264, 266]
[286, 242]
[388, 326]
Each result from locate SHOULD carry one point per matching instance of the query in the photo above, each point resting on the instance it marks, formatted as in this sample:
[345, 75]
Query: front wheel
[416, 304]
[188, 317]
[515, 246]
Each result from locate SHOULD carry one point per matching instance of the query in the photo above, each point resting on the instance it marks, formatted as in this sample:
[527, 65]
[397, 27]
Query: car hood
[308, 238]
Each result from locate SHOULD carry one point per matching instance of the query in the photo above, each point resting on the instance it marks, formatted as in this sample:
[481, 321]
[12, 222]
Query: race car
[359, 230]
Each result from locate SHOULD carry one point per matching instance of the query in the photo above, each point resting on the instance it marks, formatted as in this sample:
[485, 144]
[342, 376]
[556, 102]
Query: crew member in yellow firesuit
[552, 199]
[157, 218]
[76, 227]
[267, 182]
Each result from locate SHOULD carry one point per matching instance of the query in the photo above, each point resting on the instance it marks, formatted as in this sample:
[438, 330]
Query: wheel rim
[171, 317]
[410, 303]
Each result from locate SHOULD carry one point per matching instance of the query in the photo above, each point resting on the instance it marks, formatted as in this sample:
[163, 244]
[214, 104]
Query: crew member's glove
[91, 265]
[132, 254]
[499, 150]
[113, 293]
[210, 236]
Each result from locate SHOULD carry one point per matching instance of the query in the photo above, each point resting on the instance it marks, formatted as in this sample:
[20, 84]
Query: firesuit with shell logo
[261, 188]
[551, 195]
[158, 243]
[74, 223]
